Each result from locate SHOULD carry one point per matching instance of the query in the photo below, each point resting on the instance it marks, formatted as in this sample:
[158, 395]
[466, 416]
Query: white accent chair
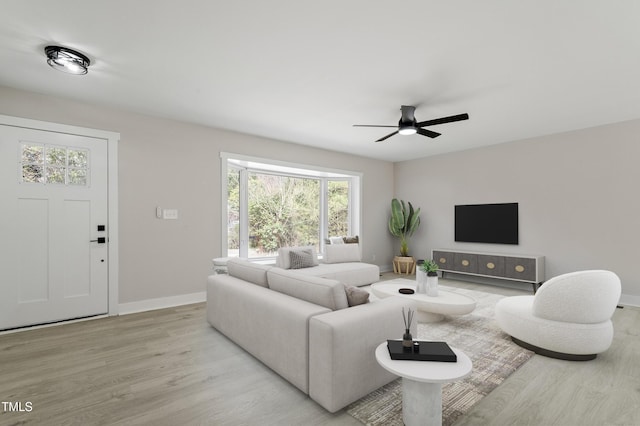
[569, 317]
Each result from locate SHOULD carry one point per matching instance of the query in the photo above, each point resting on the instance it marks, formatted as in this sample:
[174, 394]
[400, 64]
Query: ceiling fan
[408, 125]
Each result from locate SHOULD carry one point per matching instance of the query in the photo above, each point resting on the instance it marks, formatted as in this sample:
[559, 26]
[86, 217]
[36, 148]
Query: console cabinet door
[466, 262]
[520, 268]
[444, 259]
[491, 265]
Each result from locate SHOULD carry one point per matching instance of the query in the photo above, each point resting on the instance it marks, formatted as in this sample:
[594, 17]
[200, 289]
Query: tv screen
[487, 223]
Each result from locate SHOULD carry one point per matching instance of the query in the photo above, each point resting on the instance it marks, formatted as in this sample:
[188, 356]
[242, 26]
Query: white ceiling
[304, 72]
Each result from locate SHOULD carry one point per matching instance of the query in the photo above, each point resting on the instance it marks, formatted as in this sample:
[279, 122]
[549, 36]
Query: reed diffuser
[407, 339]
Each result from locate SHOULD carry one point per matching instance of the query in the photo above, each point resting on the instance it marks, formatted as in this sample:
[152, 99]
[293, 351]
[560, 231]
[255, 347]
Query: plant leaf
[408, 218]
[414, 223]
[396, 223]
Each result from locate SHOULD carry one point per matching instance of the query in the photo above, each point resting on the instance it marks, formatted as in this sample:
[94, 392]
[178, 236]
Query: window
[271, 205]
[338, 208]
[49, 164]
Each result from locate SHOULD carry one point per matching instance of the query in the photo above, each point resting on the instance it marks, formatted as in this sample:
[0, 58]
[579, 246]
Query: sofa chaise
[340, 262]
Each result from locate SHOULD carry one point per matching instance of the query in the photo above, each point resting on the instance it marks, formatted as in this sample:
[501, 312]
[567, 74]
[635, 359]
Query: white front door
[53, 227]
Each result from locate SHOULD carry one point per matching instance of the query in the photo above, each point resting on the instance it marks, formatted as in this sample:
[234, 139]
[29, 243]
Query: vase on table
[421, 282]
[407, 339]
[432, 284]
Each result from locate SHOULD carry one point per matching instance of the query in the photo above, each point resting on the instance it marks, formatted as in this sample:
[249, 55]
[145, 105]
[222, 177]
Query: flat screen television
[487, 223]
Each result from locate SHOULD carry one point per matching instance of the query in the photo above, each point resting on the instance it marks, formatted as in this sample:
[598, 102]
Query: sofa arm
[342, 363]
[263, 322]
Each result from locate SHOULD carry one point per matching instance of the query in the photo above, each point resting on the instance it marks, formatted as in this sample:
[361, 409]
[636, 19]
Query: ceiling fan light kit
[408, 125]
[67, 60]
[408, 130]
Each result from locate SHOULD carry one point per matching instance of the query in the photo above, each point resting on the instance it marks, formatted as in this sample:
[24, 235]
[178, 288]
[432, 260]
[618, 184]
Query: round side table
[422, 384]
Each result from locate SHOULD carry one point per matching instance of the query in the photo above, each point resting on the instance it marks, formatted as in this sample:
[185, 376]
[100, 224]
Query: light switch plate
[170, 214]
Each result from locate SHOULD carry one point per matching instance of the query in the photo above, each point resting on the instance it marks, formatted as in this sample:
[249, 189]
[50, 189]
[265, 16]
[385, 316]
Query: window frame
[246, 164]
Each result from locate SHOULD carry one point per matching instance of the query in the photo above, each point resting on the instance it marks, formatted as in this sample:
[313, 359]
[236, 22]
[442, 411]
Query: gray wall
[577, 193]
[177, 165]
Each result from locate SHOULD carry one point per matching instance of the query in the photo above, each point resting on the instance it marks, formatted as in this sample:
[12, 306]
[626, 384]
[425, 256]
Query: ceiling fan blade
[428, 133]
[387, 137]
[372, 125]
[443, 120]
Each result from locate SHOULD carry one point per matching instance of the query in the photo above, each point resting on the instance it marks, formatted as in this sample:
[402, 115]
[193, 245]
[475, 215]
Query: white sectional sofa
[302, 327]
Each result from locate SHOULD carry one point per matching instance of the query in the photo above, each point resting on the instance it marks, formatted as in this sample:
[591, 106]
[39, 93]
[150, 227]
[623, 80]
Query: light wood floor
[169, 367]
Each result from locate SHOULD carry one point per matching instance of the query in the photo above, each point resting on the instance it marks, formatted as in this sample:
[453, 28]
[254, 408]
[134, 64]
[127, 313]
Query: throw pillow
[284, 260]
[336, 240]
[351, 240]
[301, 259]
[356, 296]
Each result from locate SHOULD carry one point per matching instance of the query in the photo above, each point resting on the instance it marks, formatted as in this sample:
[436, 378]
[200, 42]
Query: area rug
[492, 352]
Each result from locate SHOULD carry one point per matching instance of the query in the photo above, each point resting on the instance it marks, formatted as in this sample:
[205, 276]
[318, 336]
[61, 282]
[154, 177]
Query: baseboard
[630, 300]
[386, 268]
[161, 303]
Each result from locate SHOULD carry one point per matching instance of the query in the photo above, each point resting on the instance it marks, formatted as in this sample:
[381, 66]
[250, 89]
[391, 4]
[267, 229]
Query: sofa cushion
[299, 259]
[356, 296]
[284, 260]
[349, 273]
[248, 271]
[340, 253]
[320, 291]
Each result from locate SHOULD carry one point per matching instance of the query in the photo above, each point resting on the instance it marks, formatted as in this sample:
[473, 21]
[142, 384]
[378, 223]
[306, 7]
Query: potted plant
[403, 223]
[430, 285]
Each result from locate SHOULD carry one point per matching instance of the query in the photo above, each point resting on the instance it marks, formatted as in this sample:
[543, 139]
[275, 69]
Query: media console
[522, 268]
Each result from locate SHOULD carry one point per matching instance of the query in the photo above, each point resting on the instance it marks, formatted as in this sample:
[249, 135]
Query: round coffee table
[430, 308]
[422, 384]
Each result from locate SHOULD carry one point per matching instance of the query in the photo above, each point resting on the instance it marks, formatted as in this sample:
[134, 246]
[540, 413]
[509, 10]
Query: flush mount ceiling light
[67, 60]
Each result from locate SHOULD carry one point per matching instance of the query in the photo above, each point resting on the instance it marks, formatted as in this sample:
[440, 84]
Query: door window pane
[32, 173]
[56, 175]
[56, 157]
[77, 177]
[32, 154]
[78, 158]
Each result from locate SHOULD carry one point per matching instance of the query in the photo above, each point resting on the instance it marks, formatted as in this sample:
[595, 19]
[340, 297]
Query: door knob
[99, 240]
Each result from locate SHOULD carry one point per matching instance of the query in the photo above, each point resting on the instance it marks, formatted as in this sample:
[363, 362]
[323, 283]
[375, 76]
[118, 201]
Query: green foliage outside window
[338, 208]
[284, 211]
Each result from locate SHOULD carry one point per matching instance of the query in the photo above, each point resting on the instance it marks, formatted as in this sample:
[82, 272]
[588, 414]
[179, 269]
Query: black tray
[421, 351]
